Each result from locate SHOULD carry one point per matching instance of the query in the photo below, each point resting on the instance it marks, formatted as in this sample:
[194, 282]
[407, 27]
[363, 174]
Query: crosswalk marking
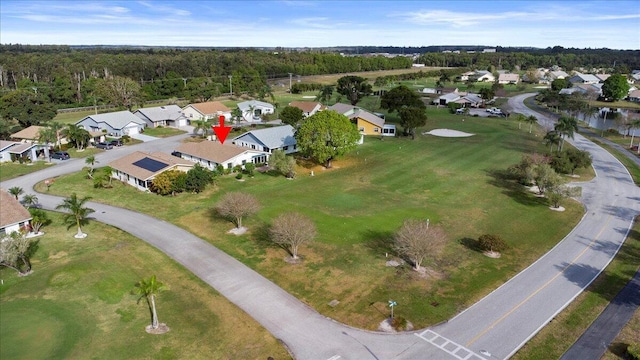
[451, 347]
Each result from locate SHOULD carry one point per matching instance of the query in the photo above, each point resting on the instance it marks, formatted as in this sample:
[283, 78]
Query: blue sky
[286, 23]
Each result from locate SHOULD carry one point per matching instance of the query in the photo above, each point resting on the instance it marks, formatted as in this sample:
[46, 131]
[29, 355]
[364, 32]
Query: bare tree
[417, 241]
[236, 205]
[292, 230]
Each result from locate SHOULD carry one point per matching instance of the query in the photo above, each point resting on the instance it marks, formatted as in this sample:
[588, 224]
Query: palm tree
[77, 213]
[149, 289]
[325, 94]
[566, 127]
[635, 124]
[236, 114]
[56, 128]
[588, 112]
[90, 160]
[266, 92]
[519, 118]
[47, 136]
[203, 125]
[29, 200]
[531, 120]
[16, 191]
[552, 138]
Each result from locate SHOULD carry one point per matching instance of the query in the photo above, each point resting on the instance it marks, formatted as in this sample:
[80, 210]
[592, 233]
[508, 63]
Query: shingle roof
[369, 117]
[159, 113]
[305, 106]
[212, 151]
[210, 107]
[508, 77]
[116, 120]
[21, 147]
[244, 106]
[4, 144]
[30, 133]
[341, 108]
[11, 211]
[126, 163]
[273, 137]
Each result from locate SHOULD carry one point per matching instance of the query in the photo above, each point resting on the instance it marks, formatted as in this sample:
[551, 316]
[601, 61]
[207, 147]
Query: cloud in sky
[292, 23]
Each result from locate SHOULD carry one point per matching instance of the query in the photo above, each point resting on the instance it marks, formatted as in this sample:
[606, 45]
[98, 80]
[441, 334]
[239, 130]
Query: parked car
[116, 142]
[104, 145]
[60, 155]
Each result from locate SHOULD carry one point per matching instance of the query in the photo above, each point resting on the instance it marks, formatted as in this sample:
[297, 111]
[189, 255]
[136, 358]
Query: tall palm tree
[203, 125]
[29, 200]
[552, 138]
[47, 136]
[77, 213]
[566, 127]
[56, 128]
[519, 118]
[325, 94]
[588, 112]
[149, 289]
[16, 191]
[634, 124]
[90, 160]
[531, 120]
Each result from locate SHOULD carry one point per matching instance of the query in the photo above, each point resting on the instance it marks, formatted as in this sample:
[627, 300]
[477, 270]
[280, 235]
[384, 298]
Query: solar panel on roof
[150, 164]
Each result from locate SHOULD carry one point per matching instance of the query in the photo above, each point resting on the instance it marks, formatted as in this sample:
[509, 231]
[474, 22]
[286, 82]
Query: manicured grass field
[359, 204]
[163, 132]
[558, 336]
[10, 170]
[77, 305]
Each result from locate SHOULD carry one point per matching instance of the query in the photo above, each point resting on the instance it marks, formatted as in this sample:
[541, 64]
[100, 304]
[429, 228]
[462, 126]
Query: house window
[229, 166]
[266, 149]
[244, 162]
[376, 130]
[361, 129]
[253, 147]
[295, 146]
[285, 148]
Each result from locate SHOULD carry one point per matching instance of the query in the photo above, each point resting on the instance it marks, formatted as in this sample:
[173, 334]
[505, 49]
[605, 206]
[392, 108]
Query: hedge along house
[138, 169]
[170, 115]
[117, 123]
[210, 154]
[13, 216]
[269, 139]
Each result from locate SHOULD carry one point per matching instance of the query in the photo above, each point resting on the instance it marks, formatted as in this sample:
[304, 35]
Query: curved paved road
[494, 328]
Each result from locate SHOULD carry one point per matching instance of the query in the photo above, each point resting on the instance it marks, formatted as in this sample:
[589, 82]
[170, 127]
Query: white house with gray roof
[114, 124]
[170, 115]
[269, 139]
[253, 110]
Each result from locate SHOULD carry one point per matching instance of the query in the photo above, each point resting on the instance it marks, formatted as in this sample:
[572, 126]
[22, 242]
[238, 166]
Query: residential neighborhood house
[30, 134]
[253, 110]
[113, 124]
[138, 169]
[170, 115]
[210, 154]
[13, 216]
[508, 79]
[367, 123]
[206, 110]
[308, 107]
[579, 78]
[269, 139]
[482, 76]
[22, 151]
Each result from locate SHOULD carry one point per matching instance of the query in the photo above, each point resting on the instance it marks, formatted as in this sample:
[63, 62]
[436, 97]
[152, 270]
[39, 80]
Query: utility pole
[290, 74]
[185, 82]
[230, 86]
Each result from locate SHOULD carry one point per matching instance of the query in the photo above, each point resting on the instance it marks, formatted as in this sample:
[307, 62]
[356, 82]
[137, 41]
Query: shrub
[634, 351]
[239, 176]
[399, 323]
[249, 168]
[489, 242]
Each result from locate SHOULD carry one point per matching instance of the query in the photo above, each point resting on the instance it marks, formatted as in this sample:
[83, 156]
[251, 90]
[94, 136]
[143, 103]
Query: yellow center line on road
[483, 332]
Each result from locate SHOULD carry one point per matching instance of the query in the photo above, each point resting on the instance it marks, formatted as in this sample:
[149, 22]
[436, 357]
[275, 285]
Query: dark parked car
[117, 142]
[104, 145]
[60, 155]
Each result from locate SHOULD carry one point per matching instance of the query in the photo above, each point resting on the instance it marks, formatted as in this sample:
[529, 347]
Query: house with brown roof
[308, 107]
[508, 79]
[206, 110]
[210, 154]
[30, 134]
[138, 169]
[13, 216]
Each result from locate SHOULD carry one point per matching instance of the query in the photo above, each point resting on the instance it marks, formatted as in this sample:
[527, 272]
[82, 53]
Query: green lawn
[362, 201]
[557, 337]
[163, 132]
[77, 305]
[10, 170]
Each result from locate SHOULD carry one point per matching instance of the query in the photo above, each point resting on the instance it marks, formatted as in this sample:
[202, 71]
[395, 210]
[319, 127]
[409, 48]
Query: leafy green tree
[559, 192]
[120, 91]
[578, 159]
[412, 118]
[39, 218]
[149, 289]
[266, 92]
[197, 179]
[77, 213]
[615, 87]
[236, 206]
[492, 243]
[16, 191]
[168, 182]
[487, 93]
[27, 107]
[291, 115]
[354, 88]
[292, 230]
[545, 177]
[400, 97]
[250, 168]
[283, 163]
[325, 136]
[558, 84]
[417, 241]
[566, 127]
[16, 251]
[325, 94]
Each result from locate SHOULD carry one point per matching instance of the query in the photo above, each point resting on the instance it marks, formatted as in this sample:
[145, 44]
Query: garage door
[131, 130]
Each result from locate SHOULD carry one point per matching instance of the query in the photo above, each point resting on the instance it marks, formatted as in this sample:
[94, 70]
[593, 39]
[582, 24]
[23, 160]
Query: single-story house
[13, 216]
[308, 107]
[602, 77]
[30, 134]
[558, 74]
[253, 110]
[210, 154]
[465, 76]
[470, 100]
[634, 96]
[429, 90]
[114, 124]
[508, 79]
[269, 139]
[447, 98]
[138, 169]
[579, 78]
[206, 110]
[169, 115]
[13, 151]
[366, 122]
[482, 76]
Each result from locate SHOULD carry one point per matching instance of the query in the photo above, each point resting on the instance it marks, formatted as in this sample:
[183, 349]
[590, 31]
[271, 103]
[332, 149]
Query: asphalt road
[494, 328]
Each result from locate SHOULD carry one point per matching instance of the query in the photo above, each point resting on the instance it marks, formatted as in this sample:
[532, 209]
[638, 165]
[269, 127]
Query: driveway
[143, 137]
[494, 328]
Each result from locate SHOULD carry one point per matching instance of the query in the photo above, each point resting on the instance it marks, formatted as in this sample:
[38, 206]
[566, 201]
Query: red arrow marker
[221, 131]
